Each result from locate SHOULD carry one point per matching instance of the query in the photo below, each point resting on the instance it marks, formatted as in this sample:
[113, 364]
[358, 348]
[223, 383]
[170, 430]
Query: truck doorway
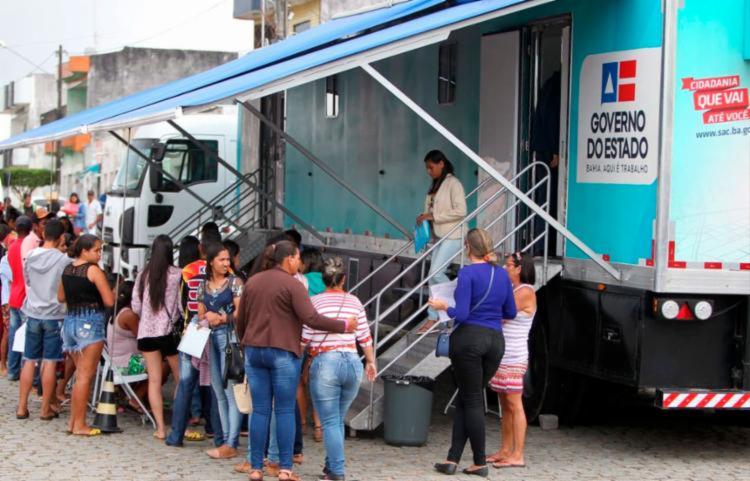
[544, 121]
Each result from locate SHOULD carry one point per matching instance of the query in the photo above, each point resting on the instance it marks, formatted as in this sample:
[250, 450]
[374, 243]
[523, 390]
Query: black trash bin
[408, 409]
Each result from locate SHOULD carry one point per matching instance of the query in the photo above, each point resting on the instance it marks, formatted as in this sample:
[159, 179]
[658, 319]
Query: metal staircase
[238, 204]
[404, 350]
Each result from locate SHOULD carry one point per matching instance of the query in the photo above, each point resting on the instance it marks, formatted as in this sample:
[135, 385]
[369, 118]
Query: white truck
[144, 202]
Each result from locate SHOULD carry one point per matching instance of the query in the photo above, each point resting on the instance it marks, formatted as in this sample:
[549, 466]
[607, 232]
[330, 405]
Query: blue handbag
[442, 348]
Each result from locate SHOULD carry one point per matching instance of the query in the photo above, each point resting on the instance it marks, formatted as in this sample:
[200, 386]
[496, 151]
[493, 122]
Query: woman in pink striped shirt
[336, 371]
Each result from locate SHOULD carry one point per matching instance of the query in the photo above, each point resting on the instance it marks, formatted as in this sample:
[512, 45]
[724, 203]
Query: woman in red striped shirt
[336, 371]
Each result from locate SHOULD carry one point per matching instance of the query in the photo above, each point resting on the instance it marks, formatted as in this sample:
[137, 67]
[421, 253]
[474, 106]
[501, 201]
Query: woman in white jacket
[444, 207]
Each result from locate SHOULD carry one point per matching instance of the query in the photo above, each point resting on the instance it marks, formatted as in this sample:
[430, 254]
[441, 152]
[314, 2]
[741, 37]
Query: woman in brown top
[273, 308]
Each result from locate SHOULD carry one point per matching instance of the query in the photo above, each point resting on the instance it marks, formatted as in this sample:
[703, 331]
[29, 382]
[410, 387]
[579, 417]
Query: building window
[301, 26]
[332, 97]
[447, 73]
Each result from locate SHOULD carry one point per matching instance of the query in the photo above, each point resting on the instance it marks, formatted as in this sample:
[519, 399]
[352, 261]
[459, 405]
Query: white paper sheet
[194, 340]
[444, 292]
[19, 340]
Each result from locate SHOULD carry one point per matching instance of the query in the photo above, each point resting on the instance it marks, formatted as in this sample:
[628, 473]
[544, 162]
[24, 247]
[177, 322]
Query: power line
[26, 59]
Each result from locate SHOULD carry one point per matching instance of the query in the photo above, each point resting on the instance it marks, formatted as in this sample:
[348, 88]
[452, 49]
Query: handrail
[461, 224]
[445, 264]
[233, 204]
[545, 180]
[185, 223]
[406, 246]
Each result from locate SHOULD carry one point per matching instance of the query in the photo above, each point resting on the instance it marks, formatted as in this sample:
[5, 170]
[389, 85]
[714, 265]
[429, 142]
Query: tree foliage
[21, 179]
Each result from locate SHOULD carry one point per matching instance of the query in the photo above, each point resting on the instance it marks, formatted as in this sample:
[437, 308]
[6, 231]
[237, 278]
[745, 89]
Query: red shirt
[18, 286]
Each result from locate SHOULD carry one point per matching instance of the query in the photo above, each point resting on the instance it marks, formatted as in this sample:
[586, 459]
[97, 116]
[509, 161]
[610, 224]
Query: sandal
[194, 436]
[160, 438]
[91, 432]
[256, 475]
[288, 475]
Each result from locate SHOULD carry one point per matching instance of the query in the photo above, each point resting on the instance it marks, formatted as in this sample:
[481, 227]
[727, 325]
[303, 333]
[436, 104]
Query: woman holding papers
[484, 298]
[444, 208]
[218, 299]
[156, 300]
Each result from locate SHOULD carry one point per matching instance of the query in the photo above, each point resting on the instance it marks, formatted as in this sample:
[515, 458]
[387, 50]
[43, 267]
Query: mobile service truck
[145, 201]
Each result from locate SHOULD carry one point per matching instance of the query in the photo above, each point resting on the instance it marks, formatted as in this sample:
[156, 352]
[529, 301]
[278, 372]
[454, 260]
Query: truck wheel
[537, 378]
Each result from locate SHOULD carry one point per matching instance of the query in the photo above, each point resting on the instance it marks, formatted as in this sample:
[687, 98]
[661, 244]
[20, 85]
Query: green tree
[21, 179]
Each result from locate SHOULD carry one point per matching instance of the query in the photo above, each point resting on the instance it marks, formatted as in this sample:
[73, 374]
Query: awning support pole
[248, 182]
[489, 170]
[325, 168]
[176, 181]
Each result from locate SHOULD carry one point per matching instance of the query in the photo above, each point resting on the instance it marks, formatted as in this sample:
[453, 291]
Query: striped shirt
[516, 332]
[341, 306]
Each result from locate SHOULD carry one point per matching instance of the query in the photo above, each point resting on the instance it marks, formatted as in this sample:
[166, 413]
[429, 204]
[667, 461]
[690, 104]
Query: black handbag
[442, 348]
[234, 358]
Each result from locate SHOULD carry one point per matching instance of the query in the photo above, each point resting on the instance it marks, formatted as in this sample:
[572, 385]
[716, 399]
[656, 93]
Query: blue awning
[292, 60]
[335, 30]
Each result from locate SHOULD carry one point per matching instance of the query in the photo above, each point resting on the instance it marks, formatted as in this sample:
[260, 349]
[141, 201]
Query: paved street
[685, 447]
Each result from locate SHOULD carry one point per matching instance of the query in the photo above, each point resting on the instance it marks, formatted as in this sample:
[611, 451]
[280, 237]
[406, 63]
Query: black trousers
[475, 354]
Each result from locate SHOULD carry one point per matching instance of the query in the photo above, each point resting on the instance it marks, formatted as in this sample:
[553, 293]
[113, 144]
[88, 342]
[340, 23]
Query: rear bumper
[672, 399]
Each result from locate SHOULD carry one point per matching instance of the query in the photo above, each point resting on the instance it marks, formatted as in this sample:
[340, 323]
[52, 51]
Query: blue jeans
[334, 383]
[229, 415]
[273, 375]
[440, 256]
[14, 358]
[182, 401]
[43, 341]
[273, 444]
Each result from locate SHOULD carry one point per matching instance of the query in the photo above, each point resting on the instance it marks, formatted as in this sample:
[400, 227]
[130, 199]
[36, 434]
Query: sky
[87, 26]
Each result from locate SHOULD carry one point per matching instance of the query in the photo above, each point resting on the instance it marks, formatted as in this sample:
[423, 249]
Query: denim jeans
[334, 382]
[440, 256]
[195, 403]
[273, 444]
[182, 402]
[229, 415]
[14, 358]
[273, 375]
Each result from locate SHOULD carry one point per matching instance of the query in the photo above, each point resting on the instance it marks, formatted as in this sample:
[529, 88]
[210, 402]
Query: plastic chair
[124, 381]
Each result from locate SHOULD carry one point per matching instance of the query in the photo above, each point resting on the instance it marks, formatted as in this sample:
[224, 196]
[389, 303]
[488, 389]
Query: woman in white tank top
[508, 381]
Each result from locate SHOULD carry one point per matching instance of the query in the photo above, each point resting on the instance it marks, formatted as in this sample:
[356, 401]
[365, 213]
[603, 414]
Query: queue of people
[289, 321]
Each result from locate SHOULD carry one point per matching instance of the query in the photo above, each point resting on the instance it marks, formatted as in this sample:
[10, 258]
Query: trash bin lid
[421, 381]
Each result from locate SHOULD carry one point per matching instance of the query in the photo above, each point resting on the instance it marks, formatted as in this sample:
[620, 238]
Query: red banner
[711, 83]
[729, 115]
[720, 99]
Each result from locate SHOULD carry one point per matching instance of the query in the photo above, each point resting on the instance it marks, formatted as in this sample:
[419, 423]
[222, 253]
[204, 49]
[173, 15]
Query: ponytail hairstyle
[157, 270]
[481, 246]
[273, 255]
[526, 263]
[333, 271]
[436, 157]
[84, 243]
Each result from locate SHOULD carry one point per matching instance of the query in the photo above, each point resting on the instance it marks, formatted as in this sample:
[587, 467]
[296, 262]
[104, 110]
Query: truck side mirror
[158, 150]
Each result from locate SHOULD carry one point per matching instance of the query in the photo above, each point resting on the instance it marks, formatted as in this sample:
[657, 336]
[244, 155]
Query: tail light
[684, 309]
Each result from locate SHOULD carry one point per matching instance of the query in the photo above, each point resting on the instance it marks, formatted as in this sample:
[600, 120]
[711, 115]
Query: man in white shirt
[93, 213]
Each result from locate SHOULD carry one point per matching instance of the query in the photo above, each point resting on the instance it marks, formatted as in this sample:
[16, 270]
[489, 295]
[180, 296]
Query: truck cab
[143, 202]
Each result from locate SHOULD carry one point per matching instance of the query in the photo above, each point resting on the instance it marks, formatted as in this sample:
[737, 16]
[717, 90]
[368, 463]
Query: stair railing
[544, 181]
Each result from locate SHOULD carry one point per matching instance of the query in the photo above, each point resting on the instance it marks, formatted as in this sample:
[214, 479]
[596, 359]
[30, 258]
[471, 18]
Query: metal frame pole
[176, 181]
[668, 60]
[247, 181]
[325, 168]
[488, 168]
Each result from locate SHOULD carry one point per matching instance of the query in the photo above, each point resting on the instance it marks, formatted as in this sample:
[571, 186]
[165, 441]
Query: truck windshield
[131, 172]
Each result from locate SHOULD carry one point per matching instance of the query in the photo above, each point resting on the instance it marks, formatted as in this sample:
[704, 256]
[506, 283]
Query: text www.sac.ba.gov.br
[724, 132]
